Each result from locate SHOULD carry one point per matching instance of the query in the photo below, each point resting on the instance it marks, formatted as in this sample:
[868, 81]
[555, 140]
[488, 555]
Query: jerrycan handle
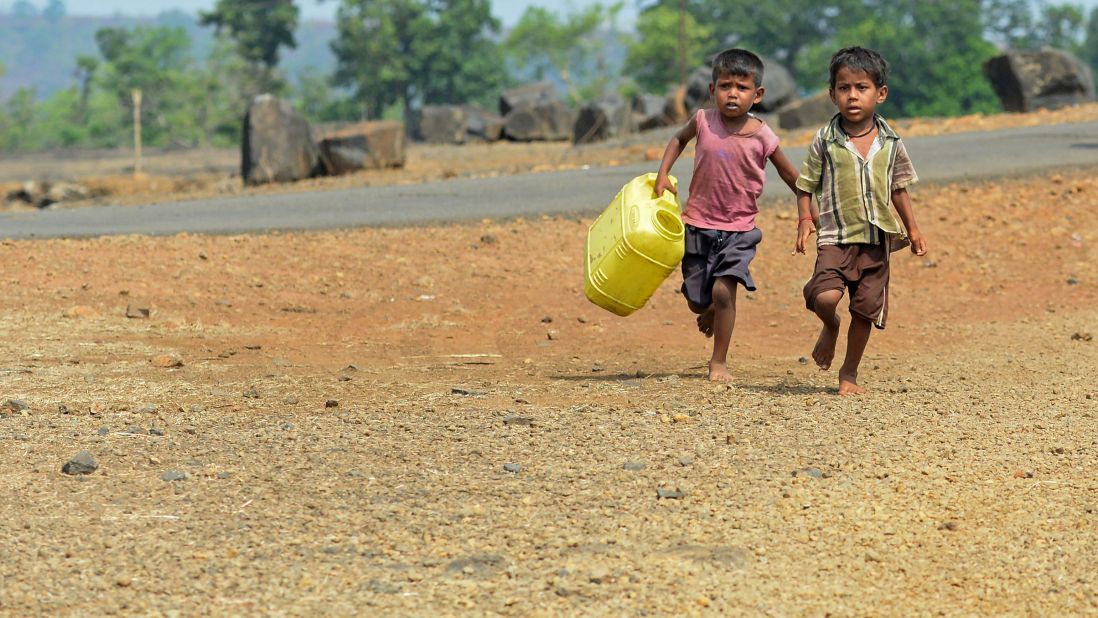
[669, 200]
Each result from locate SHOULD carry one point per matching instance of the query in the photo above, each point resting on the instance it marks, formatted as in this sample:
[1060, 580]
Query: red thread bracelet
[808, 218]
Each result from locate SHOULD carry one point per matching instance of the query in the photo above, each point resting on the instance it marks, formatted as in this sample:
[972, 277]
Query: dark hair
[738, 62]
[860, 59]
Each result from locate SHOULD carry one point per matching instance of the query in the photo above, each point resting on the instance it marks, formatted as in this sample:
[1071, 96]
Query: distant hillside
[41, 53]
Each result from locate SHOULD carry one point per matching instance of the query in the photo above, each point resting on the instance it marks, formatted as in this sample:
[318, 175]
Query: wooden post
[682, 42]
[136, 93]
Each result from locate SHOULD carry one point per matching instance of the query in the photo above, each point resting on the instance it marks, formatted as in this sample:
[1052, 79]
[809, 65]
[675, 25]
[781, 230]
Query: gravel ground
[350, 432]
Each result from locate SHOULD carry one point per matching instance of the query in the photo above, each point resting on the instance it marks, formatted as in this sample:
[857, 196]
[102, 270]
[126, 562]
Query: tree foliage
[412, 52]
[653, 56]
[566, 45]
[260, 29]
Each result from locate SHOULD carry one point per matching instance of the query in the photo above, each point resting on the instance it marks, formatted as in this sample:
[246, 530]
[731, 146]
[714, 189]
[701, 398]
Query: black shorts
[714, 253]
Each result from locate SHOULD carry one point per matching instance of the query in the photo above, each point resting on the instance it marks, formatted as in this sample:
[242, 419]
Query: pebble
[103, 431]
[670, 494]
[251, 393]
[166, 361]
[524, 421]
[512, 467]
[154, 431]
[331, 403]
[138, 311]
[634, 466]
[948, 525]
[173, 475]
[686, 460]
[134, 429]
[811, 471]
[14, 405]
[81, 463]
[803, 360]
[457, 390]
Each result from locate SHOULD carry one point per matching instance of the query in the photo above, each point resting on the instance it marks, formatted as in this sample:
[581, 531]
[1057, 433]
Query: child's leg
[705, 317]
[857, 336]
[724, 320]
[826, 306]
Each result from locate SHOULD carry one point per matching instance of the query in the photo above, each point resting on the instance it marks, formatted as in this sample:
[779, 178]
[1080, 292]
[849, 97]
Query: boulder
[441, 124]
[540, 121]
[533, 93]
[602, 119]
[778, 81]
[277, 144]
[1045, 79]
[781, 89]
[814, 111]
[674, 105]
[649, 112]
[367, 145]
[482, 125]
[697, 95]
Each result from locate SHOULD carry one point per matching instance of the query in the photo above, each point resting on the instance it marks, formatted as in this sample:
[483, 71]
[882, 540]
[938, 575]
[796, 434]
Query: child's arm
[806, 220]
[671, 154]
[902, 201]
[785, 168]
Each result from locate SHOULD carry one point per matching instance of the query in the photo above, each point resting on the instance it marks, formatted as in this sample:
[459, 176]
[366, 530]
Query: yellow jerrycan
[633, 246]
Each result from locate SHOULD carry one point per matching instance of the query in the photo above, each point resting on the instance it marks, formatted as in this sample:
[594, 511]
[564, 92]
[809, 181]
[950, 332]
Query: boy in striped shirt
[855, 167]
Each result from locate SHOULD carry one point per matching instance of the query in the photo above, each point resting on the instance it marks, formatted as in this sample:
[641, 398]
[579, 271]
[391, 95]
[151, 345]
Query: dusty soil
[347, 402]
[172, 174]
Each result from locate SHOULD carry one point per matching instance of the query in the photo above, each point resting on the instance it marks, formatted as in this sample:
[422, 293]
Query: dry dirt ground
[434, 421]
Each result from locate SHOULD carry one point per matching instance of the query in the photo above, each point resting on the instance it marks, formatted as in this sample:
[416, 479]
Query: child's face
[735, 94]
[856, 95]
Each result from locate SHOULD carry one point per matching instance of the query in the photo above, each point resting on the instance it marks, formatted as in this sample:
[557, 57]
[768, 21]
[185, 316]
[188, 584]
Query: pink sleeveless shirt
[729, 171]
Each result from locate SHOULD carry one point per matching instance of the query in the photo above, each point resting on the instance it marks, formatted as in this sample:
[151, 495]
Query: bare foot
[705, 322]
[849, 387]
[824, 352]
[718, 372]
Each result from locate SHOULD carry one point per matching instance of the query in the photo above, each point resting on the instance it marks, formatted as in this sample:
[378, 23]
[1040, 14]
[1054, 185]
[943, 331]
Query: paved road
[949, 157]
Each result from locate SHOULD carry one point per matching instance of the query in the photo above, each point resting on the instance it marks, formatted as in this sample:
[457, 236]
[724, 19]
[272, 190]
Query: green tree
[653, 57]
[260, 29]
[411, 52]
[84, 73]
[937, 51]
[1089, 50]
[569, 45]
[155, 61]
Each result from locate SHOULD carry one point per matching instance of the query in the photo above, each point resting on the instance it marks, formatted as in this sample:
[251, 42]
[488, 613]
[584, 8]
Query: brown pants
[863, 269]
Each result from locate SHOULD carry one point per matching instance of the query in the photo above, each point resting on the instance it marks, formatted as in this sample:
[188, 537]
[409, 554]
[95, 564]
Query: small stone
[524, 421]
[466, 392]
[597, 368]
[138, 311]
[290, 400]
[666, 493]
[552, 335]
[166, 361]
[686, 460]
[80, 311]
[803, 360]
[147, 409]
[513, 468]
[813, 472]
[103, 431]
[634, 466]
[345, 378]
[1082, 337]
[1072, 281]
[135, 430]
[224, 475]
[547, 320]
[82, 463]
[1023, 474]
[331, 403]
[488, 239]
[173, 475]
[948, 525]
[14, 405]
[286, 426]
[155, 431]
[251, 393]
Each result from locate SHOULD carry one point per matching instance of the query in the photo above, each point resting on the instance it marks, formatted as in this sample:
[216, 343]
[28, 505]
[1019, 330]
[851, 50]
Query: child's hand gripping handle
[663, 183]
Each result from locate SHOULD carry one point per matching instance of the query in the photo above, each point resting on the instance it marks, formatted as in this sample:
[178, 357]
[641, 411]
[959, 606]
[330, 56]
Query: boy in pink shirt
[729, 170]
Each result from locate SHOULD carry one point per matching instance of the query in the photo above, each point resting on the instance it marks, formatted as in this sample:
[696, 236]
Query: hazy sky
[507, 10]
